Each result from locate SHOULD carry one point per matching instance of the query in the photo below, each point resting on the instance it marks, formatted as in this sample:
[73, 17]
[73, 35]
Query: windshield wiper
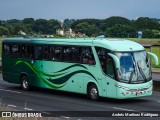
[142, 73]
[131, 76]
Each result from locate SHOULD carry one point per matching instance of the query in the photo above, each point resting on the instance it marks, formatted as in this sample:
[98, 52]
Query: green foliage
[29, 21]
[147, 33]
[46, 27]
[111, 27]
[90, 27]
[68, 23]
[112, 21]
[87, 29]
[121, 31]
[14, 21]
[53, 25]
[146, 23]
[4, 31]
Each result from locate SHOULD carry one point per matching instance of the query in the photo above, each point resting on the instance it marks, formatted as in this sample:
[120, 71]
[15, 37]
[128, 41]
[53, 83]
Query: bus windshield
[134, 67]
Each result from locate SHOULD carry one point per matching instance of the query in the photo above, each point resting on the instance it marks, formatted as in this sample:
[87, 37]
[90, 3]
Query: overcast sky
[78, 9]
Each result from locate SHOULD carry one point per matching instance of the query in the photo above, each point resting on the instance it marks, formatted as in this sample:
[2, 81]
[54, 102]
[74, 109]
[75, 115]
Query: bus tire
[93, 92]
[24, 82]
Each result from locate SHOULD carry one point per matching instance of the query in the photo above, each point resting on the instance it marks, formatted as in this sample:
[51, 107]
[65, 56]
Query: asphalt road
[156, 76]
[50, 100]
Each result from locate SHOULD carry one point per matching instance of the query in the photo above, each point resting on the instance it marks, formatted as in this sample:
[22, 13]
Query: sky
[78, 9]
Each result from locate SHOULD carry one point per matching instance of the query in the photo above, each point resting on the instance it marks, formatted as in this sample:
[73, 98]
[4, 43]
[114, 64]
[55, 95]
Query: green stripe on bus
[65, 78]
[42, 79]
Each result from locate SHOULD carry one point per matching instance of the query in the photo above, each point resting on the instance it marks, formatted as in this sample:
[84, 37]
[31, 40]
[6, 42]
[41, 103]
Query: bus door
[111, 78]
[108, 73]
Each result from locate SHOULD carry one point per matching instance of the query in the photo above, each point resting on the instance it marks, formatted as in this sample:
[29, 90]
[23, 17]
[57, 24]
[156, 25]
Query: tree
[29, 21]
[3, 31]
[17, 28]
[146, 23]
[53, 25]
[40, 26]
[14, 21]
[121, 31]
[68, 23]
[147, 33]
[86, 28]
[115, 20]
[156, 33]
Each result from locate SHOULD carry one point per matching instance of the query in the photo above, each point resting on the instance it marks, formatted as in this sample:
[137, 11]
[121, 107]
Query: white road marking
[65, 117]
[28, 109]
[12, 106]
[10, 91]
[158, 101]
[123, 109]
[46, 113]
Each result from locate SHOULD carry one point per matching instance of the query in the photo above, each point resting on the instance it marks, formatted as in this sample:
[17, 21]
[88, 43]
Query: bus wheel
[24, 83]
[93, 92]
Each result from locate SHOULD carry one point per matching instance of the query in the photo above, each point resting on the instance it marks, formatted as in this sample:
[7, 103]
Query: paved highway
[156, 76]
[50, 100]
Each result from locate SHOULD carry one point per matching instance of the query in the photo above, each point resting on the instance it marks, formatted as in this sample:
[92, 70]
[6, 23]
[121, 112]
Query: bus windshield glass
[134, 67]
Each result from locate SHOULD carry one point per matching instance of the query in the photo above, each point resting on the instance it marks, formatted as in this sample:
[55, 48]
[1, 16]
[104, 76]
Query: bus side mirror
[154, 56]
[116, 60]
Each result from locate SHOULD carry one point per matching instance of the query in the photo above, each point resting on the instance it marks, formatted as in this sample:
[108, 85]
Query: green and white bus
[113, 68]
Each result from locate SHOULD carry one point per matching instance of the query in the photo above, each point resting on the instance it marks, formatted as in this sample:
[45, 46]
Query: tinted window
[46, 52]
[87, 56]
[106, 61]
[6, 48]
[75, 54]
[26, 51]
[57, 53]
[67, 54]
[71, 54]
[38, 52]
[15, 50]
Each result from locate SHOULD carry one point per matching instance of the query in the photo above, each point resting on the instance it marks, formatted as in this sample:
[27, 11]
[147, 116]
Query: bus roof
[109, 43]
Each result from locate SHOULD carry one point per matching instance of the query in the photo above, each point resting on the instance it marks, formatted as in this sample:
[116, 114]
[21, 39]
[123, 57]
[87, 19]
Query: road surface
[156, 76]
[50, 100]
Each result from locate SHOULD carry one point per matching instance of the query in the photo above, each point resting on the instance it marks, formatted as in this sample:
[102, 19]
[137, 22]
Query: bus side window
[67, 54]
[28, 52]
[15, 50]
[6, 48]
[38, 52]
[22, 51]
[87, 56]
[51, 53]
[57, 53]
[46, 51]
[75, 54]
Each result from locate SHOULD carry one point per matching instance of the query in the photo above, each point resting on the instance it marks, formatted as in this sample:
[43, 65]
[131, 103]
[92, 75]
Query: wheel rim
[25, 83]
[93, 93]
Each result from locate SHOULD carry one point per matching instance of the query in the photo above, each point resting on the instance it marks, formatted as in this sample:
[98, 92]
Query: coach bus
[97, 67]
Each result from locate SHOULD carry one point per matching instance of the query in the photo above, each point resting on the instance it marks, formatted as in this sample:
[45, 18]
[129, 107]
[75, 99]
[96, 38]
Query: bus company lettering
[14, 114]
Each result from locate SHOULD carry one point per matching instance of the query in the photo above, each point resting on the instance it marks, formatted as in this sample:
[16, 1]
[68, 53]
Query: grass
[145, 40]
[155, 39]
